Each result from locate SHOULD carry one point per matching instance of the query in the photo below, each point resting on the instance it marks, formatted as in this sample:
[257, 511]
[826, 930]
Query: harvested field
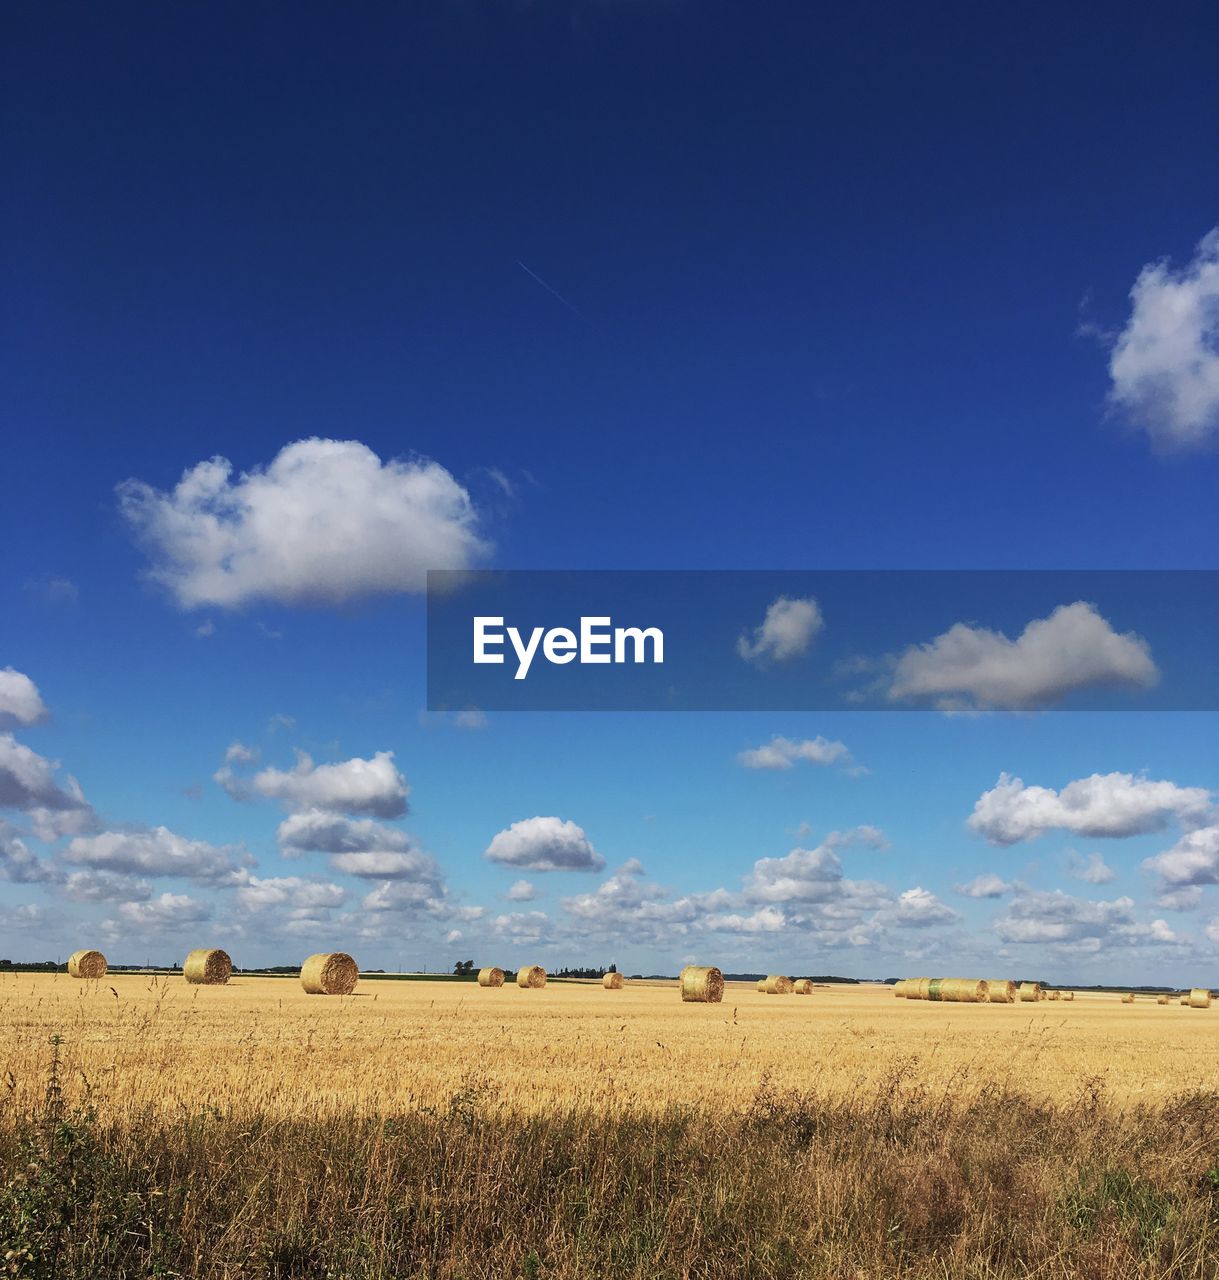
[263, 1044]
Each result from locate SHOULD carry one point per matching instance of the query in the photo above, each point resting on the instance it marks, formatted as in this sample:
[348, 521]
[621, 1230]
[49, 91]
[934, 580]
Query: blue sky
[866, 290]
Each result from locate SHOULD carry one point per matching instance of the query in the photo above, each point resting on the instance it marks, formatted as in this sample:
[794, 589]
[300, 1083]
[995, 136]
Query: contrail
[548, 288]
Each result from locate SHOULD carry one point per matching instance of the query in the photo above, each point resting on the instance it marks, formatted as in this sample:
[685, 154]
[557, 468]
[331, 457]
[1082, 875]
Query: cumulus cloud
[1091, 870]
[918, 908]
[289, 893]
[784, 753]
[17, 864]
[1191, 862]
[1057, 918]
[359, 847]
[1164, 365]
[325, 522]
[623, 904]
[355, 786]
[28, 784]
[417, 899]
[317, 831]
[545, 844]
[167, 911]
[105, 886]
[30, 915]
[1111, 804]
[1185, 898]
[524, 928]
[157, 852]
[985, 886]
[972, 669]
[20, 701]
[521, 891]
[787, 631]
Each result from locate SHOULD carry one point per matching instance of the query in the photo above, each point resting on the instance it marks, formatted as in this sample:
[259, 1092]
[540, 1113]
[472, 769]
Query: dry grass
[263, 1045]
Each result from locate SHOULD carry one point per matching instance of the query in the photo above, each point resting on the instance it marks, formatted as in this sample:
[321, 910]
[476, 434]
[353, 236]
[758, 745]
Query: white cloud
[290, 893]
[970, 669]
[783, 753]
[17, 864]
[545, 844]
[30, 915]
[239, 753]
[105, 886]
[524, 928]
[1103, 805]
[1091, 870]
[386, 864]
[918, 908]
[317, 831]
[1186, 898]
[803, 875]
[157, 852]
[521, 891]
[1165, 364]
[27, 783]
[168, 911]
[353, 786]
[985, 886]
[1192, 861]
[1056, 918]
[359, 847]
[787, 631]
[325, 522]
[20, 701]
[471, 719]
[815, 875]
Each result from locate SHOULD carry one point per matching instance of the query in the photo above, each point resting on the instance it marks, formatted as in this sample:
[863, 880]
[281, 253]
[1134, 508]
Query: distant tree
[612, 969]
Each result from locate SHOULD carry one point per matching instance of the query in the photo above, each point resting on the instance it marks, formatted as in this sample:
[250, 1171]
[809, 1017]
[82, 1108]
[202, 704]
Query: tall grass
[901, 1182]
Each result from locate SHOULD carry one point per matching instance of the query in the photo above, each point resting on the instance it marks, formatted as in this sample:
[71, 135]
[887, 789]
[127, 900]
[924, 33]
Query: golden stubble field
[132, 1042]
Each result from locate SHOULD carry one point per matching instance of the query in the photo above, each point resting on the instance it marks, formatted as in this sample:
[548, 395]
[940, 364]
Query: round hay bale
[1030, 992]
[1128, 998]
[963, 990]
[918, 988]
[491, 977]
[803, 986]
[701, 984]
[87, 964]
[778, 984]
[329, 973]
[1068, 995]
[1053, 995]
[1163, 999]
[899, 988]
[1000, 991]
[1199, 998]
[762, 985]
[1185, 1000]
[208, 967]
[531, 978]
[613, 981]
